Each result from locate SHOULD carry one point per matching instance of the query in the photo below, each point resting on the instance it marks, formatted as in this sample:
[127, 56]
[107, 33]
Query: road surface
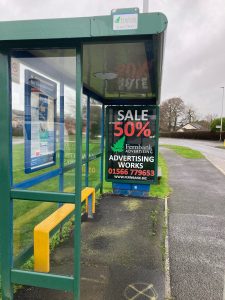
[209, 148]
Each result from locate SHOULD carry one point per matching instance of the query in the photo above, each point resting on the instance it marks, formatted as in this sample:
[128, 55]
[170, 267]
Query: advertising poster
[132, 144]
[40, 118]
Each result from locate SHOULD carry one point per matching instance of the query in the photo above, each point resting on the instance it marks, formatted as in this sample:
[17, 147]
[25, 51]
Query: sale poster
[132, 144]
[40, 122]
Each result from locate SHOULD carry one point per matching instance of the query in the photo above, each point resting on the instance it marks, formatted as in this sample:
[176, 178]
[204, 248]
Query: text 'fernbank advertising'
[131, 144]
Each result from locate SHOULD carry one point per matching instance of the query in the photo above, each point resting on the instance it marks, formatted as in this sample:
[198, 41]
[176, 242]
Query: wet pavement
[121, 258]
[196, 228]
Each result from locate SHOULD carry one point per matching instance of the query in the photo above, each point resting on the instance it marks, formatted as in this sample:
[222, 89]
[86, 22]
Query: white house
[190, 126]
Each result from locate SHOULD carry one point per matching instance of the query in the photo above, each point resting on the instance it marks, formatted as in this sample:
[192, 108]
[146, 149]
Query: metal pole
[61, 138]
[6, 237]
[78, 172]
[221, 119]
[87, 141]
[145, 6]
[102, 147]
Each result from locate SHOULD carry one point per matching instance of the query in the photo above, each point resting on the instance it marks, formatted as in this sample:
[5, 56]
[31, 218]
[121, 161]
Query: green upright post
[87, 142]
[102, 148]
[157, 141]
[5, 182]
[78, 172]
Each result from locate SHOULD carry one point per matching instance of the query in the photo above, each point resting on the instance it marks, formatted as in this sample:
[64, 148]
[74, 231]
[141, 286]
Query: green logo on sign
[119, 145]
[117, 20]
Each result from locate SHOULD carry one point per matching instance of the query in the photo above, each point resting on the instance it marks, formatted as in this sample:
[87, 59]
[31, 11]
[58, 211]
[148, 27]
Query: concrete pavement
[196, 228]
[120, 258]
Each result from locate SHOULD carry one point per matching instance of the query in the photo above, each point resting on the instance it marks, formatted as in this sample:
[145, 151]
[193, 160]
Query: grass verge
[185, 152]
[162, 189]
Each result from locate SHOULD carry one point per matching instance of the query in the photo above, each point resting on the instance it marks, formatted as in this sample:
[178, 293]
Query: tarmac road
[196, 228]
[215, 155]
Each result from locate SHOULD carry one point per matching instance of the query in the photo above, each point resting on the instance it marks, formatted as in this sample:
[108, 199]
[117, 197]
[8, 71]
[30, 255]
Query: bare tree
[210, 117]
[190, 115]
[207, 120]
[171, 112]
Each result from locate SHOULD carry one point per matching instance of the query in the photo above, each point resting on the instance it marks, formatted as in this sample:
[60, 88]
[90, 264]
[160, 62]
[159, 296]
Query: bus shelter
[58, 79]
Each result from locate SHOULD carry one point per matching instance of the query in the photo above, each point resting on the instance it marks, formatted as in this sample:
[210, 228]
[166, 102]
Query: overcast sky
[194, 63]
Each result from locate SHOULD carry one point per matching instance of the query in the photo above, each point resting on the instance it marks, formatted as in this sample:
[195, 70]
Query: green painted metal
[42, 196]
[5, 201]
[98, 187]
[159, 39]
[93, 157]
[87, 141]
[44, 280]
[102, 148]
[45, 29]
[153, 23]
[78, 172]
[88, 27]
[23, 257]
[157, 144]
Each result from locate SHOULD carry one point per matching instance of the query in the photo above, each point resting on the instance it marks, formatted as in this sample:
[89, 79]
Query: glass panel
[43, 117]
[84, 123]
[120, 70]
[94, 172]
[95, 128]
[27, 215]
[84, 137]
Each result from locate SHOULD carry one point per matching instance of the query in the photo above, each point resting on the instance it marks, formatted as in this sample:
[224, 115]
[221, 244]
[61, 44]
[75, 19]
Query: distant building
[192, 127]
[17, 118]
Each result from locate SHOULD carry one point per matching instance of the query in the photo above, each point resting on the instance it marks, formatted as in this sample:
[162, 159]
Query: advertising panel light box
[132, 144]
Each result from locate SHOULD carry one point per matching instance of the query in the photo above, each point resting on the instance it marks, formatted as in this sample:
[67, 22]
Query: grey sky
[194, 65]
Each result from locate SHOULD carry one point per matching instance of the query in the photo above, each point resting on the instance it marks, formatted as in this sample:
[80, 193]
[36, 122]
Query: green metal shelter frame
[56, 34]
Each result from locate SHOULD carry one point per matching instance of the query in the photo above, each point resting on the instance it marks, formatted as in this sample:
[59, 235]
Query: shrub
[198, 135]
[217, 122]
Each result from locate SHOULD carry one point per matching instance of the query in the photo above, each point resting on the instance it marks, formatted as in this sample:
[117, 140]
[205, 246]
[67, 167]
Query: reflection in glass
[120, 70]
[95, 127]
[43, 119]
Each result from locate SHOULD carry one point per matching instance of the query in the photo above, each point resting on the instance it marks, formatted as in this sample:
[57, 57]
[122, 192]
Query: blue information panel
[40, 122]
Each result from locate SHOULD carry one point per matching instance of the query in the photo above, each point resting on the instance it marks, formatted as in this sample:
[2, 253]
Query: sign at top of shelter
[125, 21]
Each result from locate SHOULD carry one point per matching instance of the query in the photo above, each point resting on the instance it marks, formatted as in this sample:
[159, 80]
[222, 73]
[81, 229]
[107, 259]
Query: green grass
[185, 152]
[162, 189]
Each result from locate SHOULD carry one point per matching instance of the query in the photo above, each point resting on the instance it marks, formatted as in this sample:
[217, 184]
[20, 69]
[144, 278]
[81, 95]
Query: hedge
[198, 135]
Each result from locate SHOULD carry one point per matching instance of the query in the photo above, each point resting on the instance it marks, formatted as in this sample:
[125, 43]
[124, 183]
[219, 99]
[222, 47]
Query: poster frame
[28, 168]
[130, 181]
